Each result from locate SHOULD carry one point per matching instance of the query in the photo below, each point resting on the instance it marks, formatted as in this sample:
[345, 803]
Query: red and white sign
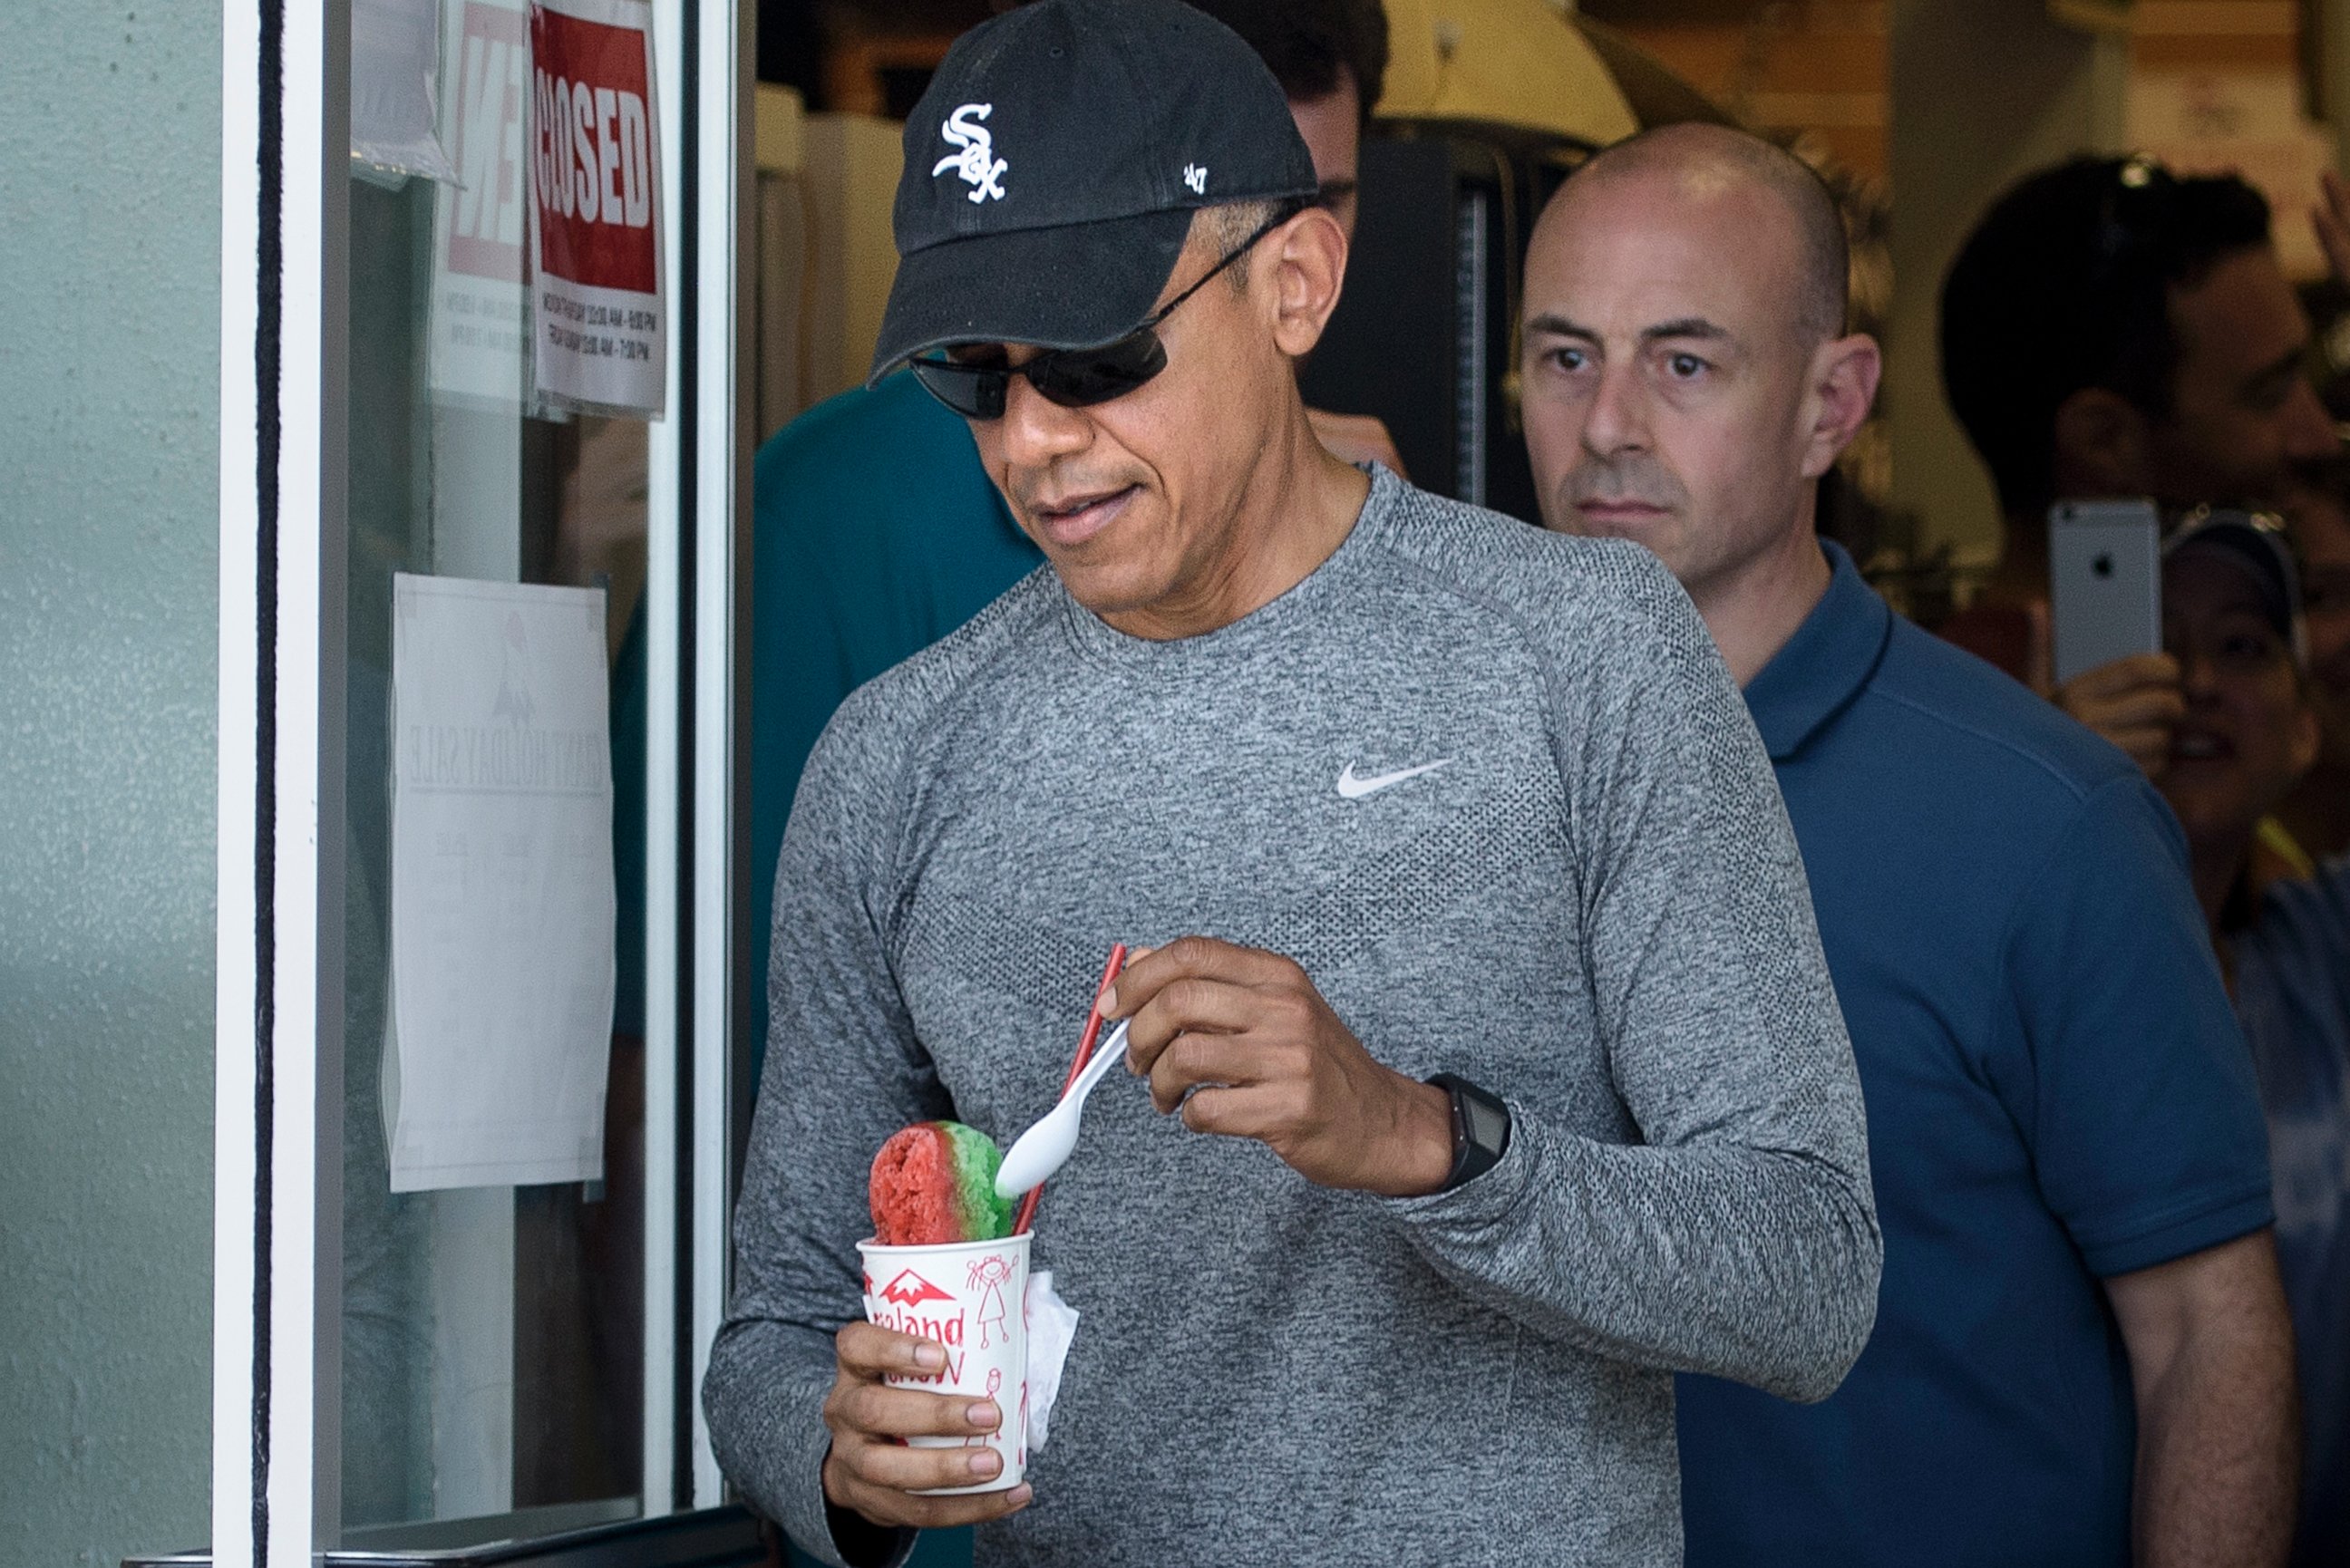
[601, 340]
[479, 223]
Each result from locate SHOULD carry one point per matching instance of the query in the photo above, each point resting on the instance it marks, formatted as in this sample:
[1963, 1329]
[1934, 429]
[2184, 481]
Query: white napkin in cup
[1052, 1325]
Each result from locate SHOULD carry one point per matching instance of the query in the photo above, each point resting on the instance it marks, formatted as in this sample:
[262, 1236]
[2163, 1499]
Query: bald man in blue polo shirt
[2081, 1354]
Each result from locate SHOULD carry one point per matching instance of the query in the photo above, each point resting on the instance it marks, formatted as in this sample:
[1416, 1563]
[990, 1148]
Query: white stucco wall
[110, 190]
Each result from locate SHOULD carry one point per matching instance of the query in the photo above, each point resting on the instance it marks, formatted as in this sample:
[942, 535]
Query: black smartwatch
[1481, 1129]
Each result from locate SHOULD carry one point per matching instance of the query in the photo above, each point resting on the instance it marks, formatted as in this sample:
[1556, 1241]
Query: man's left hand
[1240, 1042]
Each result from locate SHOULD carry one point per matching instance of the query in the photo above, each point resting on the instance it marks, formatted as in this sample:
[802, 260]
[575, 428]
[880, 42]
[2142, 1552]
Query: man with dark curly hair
[2112, 329]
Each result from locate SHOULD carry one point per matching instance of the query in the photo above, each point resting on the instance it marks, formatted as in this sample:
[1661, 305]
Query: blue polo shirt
[2057, 1094]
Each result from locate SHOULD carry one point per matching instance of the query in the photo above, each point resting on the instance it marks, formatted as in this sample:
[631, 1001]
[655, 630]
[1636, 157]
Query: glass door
[493, 1331]
[481, 523]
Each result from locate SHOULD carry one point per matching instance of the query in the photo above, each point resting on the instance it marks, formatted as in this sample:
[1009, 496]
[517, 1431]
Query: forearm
[1747, 1264]
[763, 1395]
[2210, 1352]
[2218, 1453]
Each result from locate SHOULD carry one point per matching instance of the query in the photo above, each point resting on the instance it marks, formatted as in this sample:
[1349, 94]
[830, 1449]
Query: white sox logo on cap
[976, 164]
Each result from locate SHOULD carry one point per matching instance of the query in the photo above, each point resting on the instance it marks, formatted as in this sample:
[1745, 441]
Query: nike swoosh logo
[1353, 788]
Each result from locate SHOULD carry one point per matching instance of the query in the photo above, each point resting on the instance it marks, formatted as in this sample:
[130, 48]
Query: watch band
[1481, 1129]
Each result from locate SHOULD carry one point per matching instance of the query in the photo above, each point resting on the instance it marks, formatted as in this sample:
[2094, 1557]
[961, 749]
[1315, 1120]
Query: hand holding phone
[2135, 702]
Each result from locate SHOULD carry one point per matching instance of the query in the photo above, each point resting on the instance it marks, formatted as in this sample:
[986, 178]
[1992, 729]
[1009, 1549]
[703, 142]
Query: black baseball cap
[1054, 164]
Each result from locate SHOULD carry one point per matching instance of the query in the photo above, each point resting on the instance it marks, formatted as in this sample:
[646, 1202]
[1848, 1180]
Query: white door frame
[279, 1044]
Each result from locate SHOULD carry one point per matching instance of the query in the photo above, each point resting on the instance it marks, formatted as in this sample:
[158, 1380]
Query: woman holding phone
[2247, 733]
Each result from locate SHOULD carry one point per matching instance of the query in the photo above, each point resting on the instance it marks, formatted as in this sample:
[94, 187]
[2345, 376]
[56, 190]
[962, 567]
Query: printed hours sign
[600, 337]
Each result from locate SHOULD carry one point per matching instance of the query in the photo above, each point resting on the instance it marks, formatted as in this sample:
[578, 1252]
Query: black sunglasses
[1075, 377]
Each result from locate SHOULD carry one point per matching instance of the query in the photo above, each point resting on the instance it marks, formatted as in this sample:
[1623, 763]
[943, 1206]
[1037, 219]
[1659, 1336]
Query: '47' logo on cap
[976, 164]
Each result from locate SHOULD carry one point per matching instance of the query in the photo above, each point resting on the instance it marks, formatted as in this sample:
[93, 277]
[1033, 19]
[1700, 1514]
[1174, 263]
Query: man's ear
[1844, 377]
[1309, 264]
[2102, 445]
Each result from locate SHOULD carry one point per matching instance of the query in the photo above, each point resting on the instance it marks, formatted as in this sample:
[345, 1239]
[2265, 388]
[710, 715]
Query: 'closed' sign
[595, 183]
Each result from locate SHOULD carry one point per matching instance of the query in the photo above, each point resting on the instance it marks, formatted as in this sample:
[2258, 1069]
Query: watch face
[1480, 1127]
[1489, 1124]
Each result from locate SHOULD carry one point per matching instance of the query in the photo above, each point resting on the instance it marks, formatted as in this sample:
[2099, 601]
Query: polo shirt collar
[1824, 665]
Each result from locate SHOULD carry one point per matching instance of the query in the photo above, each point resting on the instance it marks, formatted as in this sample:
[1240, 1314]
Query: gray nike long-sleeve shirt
[1585, 897]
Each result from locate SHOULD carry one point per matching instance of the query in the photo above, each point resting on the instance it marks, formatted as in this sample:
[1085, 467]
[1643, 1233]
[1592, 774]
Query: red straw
[1077, 1065]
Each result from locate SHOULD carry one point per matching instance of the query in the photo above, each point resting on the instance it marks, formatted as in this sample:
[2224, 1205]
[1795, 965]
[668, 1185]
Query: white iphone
[2104, 582]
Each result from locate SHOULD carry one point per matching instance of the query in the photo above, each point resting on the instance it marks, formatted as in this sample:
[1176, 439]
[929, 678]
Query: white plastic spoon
[1036, 1154]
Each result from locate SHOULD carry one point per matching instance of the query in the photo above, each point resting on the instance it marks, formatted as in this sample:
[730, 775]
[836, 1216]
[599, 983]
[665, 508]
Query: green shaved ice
[984, 1216]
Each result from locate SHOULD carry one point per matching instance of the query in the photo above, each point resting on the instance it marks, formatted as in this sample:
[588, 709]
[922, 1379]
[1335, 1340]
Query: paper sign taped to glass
[479, 303]
[600, 337]
[498, 1027]
[395, 59]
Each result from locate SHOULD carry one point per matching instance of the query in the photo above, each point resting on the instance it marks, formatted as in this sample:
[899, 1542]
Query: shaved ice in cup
[944, 1266]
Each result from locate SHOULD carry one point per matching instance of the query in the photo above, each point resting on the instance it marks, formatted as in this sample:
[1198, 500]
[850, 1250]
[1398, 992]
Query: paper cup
[968, 1296]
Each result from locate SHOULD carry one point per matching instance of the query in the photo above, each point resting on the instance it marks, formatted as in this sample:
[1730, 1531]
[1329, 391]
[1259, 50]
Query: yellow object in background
[1502, 62]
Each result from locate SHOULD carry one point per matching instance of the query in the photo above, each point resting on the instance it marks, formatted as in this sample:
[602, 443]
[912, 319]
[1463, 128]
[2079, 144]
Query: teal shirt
[875, 533]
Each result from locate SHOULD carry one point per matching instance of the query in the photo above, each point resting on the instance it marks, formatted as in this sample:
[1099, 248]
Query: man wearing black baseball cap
[1460, 886]
[876, 532]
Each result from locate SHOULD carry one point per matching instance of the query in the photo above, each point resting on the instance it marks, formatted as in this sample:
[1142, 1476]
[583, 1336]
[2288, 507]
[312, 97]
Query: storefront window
[493, 1330]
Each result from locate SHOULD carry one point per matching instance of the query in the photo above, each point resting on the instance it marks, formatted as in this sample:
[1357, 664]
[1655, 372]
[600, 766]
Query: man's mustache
[1613, 481]
[1050, 489]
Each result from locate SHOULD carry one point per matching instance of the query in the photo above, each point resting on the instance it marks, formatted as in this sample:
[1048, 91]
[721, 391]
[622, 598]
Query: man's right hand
[872, 1472]
[2135, 702]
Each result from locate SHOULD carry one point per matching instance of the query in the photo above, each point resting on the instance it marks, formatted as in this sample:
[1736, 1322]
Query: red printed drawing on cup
[905, 1296]
[994, 1388]
[989, 1275]
[592, 151]
[910, 1290]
